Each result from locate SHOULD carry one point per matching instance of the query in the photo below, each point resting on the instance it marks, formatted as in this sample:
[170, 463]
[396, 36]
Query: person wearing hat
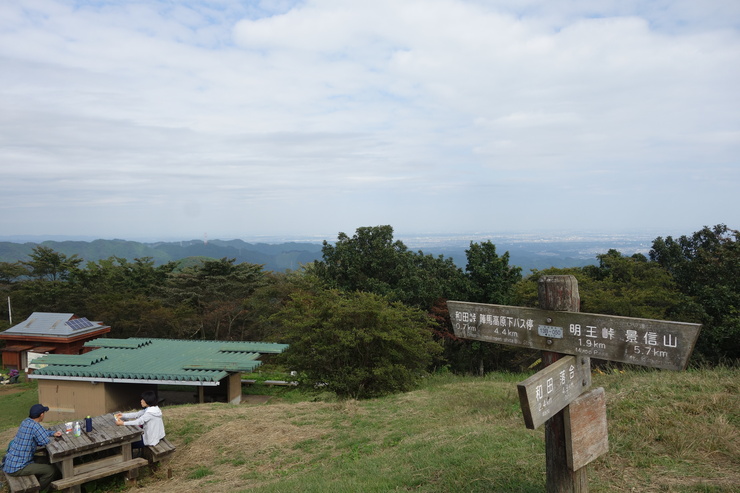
[19, 461]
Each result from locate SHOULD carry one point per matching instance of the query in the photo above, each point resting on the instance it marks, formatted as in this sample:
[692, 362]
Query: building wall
[13, 359]
[234, 385]
[70, 348]
[124, 397]
[229, 390]
[70, 400]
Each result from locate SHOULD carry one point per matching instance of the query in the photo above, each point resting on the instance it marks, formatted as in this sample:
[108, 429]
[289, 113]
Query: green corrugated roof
[221, 365]
[158, 359]
[119, 343]
[86, 359]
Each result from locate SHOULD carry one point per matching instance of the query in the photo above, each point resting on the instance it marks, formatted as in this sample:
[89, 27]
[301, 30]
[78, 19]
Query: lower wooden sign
[548, 391]
[585, 429]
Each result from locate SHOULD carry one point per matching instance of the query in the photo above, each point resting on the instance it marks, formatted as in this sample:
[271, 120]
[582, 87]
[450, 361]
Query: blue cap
[37, 410]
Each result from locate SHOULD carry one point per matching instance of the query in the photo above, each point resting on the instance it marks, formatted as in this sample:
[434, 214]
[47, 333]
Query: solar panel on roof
[79, 323]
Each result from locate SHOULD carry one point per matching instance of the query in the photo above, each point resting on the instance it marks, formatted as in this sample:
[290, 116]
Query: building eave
[94, 380]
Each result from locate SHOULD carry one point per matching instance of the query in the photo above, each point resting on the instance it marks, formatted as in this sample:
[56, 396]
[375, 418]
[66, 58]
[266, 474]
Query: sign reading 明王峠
[639, 341]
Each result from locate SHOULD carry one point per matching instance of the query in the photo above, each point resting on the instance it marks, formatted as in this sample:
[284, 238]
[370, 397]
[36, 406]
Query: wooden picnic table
[79, 460]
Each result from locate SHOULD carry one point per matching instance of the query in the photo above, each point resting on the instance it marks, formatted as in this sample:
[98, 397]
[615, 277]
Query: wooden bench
[22, 484]
[101, 472]
[270, 383]
[160, 451]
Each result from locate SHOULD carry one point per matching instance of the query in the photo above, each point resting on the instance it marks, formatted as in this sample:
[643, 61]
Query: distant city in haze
[410, 240]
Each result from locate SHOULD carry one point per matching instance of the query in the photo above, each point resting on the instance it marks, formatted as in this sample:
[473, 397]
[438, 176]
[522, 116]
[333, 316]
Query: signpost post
[574, 436]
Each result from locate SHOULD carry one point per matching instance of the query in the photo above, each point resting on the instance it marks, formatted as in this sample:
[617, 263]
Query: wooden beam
[559, 293]
[586, 432]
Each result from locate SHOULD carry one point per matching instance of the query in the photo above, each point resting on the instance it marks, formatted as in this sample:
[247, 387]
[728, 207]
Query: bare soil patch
[9, 389]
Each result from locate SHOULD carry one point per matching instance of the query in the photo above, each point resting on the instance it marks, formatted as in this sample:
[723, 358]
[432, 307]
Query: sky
[233, 119]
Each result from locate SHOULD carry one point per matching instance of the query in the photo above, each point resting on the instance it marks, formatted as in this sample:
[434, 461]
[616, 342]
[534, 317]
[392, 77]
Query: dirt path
[9, 389]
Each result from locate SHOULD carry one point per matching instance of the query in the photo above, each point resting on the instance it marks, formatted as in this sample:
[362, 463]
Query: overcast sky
[176, 119]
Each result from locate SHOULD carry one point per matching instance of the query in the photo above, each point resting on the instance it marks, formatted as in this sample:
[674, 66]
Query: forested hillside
[371, 315]
[278, 257]
[525, 252]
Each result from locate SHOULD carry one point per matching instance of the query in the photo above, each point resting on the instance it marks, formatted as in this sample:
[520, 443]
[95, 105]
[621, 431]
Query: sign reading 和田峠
[639, 341]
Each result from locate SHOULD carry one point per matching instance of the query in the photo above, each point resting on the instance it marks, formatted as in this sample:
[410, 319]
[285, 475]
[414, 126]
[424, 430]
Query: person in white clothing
[149, 418]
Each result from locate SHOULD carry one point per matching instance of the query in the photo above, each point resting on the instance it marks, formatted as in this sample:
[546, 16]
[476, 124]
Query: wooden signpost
[639, 341]
[548, 392]
[575, 420]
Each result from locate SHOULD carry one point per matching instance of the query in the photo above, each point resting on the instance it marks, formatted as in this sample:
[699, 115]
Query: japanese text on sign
[654, 343]
[547, 392]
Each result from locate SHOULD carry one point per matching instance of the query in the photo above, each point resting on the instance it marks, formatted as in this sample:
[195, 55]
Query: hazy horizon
[409, 239]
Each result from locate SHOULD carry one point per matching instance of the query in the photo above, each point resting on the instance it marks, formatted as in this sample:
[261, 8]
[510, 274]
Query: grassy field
[668, 432]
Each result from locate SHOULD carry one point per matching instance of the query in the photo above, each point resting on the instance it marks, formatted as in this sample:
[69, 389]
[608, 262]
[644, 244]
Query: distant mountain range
[525, 252]
[280, 257]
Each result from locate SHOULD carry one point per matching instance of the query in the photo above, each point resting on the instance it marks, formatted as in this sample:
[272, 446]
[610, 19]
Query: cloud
[309, 114]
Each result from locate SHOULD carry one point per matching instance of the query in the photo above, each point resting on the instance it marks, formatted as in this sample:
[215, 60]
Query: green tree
[629, 286]
[272, 297]
[11, 271]
[371, 261]
[216, 291]
[116, 274]
[47, 264]
[123, 294]
[706, 268]
[134, 314]
[356, 344]
[429, 279]
[491, 277]
[47, 287]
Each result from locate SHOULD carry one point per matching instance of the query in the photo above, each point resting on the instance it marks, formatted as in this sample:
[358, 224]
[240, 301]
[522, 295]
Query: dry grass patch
[239, 445]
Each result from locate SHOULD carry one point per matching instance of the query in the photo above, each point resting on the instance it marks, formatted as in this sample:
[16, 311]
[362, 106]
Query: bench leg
[67, 468]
